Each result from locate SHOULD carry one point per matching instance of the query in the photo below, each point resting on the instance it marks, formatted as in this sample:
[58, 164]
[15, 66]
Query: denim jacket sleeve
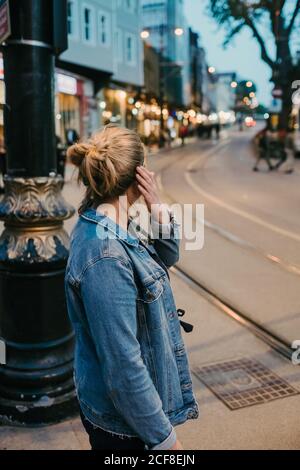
[109, 295]
[167, 241]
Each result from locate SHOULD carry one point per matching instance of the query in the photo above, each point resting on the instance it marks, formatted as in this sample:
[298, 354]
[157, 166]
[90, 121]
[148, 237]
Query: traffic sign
[276, 106]
[5, 26]
[277, 93]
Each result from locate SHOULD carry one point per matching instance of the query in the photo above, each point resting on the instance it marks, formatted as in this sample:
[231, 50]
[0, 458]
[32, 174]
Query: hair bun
[77, 153]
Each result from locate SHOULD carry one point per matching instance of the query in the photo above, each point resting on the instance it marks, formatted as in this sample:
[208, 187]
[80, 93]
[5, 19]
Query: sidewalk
[216, 338]
[272, 424]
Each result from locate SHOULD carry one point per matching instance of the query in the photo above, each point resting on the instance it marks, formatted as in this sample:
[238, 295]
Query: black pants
[102, 440]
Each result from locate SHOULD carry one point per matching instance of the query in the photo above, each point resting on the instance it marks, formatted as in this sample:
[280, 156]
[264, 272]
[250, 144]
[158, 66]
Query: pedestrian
[263, 150]
[183, 131]
[209, 129]
[60, 157]
[289, 152]
[2, 164]
[218, 130]
[280, 148]
[168, 138]
[71, 136]
[240, 122]
[131, 369]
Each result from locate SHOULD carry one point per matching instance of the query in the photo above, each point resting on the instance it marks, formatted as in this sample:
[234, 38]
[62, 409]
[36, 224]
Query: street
[251, 255]
[184, 117]
[250, 260]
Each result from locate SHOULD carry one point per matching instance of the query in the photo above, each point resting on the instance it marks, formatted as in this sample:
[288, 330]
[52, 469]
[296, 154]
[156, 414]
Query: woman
[131, 369]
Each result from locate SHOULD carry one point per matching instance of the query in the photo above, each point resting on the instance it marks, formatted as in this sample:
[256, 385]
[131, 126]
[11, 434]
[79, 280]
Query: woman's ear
[133, 193]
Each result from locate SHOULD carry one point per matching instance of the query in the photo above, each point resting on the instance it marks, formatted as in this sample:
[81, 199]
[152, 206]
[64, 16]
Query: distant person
[263, 150]
[280, 148]
[241, 123]
[200, 130]
[218, 130]
[183, 132]
[60, 157]
[72, 136]
[168, 137]
[209, 131]
[2, 164]
[289, 152]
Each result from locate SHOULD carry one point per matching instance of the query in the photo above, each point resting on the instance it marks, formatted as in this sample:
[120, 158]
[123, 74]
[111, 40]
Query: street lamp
[36, 379]
[211, 70]
[145, 34]
[179, 32]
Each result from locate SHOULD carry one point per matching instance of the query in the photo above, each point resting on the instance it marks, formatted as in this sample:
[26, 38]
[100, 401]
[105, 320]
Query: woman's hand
[147, 186]
[148, 189]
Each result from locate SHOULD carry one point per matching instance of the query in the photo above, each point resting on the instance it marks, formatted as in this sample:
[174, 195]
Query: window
[72, 18]
[88, 24]
[104, 28]
[119, 45]
[130, 49]
[130, 5]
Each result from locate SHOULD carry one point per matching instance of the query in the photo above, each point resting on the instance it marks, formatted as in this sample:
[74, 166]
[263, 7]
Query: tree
[245, 96]
[280, 17]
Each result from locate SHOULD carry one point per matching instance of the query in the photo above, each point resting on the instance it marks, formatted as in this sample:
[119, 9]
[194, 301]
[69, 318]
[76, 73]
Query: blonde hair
[107, 163]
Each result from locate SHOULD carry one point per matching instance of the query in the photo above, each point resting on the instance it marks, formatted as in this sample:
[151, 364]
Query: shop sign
[66, 84]
[1, 69]
[277, 93]
[276, 106]
[5, 27]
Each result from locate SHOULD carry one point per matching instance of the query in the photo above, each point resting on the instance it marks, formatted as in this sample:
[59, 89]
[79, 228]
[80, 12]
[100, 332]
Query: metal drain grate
[243, 382]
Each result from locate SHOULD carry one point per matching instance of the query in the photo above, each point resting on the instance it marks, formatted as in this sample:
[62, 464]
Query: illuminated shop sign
[66, 84]
[1, 68]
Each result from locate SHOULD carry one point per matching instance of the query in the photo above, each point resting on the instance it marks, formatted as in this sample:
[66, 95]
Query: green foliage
[280, 17]
[234, 15]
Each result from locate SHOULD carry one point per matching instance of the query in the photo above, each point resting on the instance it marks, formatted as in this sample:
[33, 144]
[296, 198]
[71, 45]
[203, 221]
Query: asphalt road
[251, 252]
[250, 257]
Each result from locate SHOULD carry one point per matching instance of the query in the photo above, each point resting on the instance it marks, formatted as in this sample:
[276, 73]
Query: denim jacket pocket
[151, 305]
[151, 291]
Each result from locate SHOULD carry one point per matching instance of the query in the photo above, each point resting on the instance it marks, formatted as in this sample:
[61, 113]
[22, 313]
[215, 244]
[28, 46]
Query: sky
[242, 56]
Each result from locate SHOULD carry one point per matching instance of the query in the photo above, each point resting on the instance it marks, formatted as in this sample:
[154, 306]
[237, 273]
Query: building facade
[102, 68]
[162, 19]
[221, 93]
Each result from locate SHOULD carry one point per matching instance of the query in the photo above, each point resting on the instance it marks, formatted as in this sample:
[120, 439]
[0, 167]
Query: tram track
[261, 332]
[234, 313]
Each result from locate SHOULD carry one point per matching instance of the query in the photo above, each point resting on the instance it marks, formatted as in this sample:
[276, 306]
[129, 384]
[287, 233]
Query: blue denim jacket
[131, 368]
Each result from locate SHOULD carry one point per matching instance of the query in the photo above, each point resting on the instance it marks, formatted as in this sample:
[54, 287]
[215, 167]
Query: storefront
[75, 106]
[2, 100]
[112, 103]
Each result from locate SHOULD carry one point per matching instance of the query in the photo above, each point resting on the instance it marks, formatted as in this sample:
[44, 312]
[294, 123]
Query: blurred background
[213, 89]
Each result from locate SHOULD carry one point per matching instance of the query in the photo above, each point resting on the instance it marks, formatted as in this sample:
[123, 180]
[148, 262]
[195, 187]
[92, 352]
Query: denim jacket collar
[93, 216]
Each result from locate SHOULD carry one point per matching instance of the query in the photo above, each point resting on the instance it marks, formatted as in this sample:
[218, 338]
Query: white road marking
[231, 208]
[294, 269]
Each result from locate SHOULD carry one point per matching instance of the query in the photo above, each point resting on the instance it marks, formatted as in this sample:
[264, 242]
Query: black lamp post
[161, 86]
[36, 383]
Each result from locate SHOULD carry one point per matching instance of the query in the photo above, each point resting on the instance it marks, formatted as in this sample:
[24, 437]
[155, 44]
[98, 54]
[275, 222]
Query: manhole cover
[243, 382]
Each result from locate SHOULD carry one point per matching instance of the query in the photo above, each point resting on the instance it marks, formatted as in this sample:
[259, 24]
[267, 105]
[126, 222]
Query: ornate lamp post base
[36, 383]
